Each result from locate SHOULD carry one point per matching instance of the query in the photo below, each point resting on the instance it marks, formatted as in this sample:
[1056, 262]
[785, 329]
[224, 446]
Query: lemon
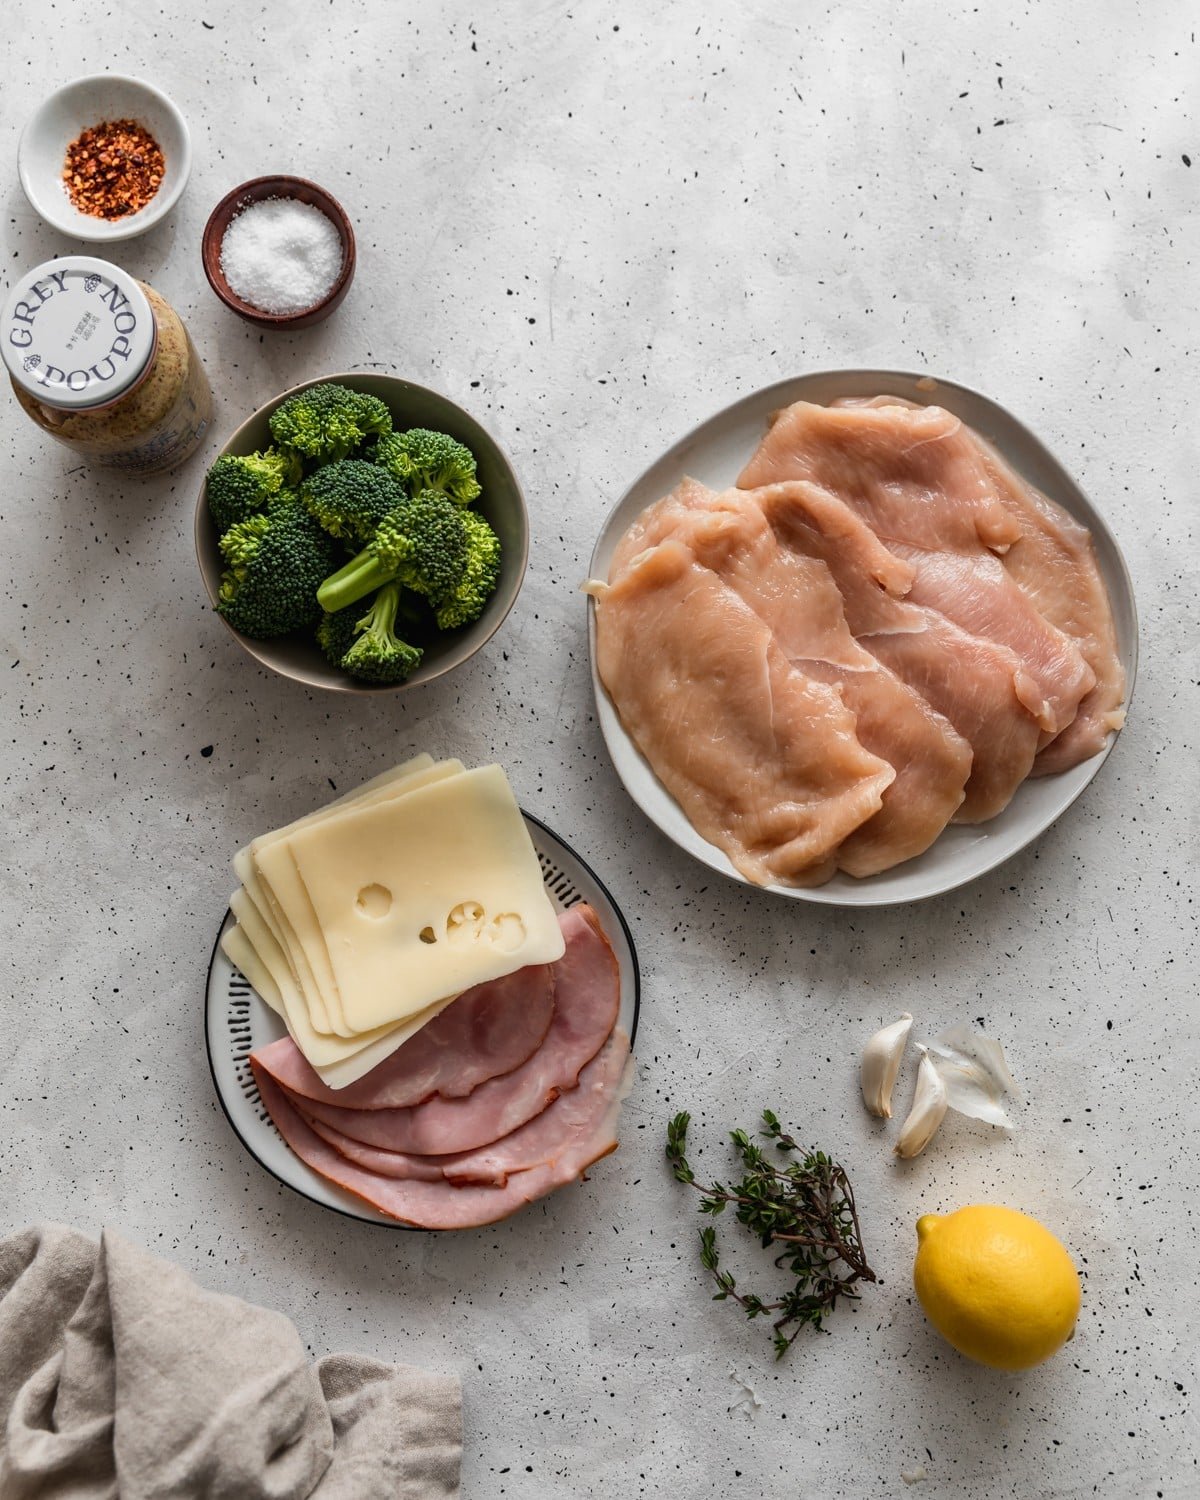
[996, 1284]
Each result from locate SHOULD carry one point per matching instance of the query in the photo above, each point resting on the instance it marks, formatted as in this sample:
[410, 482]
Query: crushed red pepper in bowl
[113, 169]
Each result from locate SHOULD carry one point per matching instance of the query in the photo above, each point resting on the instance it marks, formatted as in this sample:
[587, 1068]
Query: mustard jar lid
[77, 332]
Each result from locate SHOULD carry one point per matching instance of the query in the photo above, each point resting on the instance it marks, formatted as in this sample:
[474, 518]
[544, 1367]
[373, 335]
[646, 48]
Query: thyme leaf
[804, 1208]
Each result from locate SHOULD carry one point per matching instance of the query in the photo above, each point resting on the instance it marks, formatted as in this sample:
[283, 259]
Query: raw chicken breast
[796, 597]
[1053, 560]
[968, 680]
[912, 472]
[658, 522]
[916, 477]
[979, 595]
[762, 758]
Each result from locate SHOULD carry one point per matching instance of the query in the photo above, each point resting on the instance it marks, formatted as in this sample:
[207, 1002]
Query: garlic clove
[975, 1074]
[928, 1110]
[881, 1063]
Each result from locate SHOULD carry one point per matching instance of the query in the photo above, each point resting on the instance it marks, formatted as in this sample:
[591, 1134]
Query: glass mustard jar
[104, 365]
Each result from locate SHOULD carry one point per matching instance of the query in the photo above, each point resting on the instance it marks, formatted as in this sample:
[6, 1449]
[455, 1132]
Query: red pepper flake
[113, 169]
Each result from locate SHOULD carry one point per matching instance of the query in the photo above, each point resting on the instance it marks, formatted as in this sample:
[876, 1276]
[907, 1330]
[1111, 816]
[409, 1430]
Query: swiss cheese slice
[295, 922]
[320, 1047]
[241, 953]
[340, 1075]
[425, 895]
[338, 1061]
[243, 868]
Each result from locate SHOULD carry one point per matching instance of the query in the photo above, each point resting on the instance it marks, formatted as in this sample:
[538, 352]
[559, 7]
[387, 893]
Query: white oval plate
[236, 1021]
[715, 453]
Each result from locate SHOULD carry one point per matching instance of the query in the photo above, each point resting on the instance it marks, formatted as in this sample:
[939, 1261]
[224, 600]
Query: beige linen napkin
[121, 1379]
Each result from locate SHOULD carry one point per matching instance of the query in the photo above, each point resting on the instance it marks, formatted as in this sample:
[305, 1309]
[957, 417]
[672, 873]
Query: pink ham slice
[487, 1032]
[564, 1125]
[587, 992]
[443, 1205]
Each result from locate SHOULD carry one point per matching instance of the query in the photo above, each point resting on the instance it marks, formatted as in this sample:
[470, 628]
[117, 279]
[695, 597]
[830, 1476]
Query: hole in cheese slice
[374, 901]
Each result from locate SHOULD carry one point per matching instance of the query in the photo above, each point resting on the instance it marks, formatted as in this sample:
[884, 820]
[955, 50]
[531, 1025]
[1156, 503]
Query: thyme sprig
[806, 1208]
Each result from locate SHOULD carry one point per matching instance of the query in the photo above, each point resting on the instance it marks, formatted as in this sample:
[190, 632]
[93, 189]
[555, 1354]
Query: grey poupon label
[77, 332]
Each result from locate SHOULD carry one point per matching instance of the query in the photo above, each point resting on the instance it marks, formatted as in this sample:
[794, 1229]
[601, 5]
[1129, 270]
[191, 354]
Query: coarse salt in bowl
[281, 255]
[279, 252]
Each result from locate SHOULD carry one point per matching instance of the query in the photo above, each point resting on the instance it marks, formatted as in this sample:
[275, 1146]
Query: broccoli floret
[378, 654]
[466, 601]
[327, 422]
[430, 461]
[366, 644]
[239, 485]
[430, 540]
[422, 543]
[276, 561]
[350, 498]
[335, 632]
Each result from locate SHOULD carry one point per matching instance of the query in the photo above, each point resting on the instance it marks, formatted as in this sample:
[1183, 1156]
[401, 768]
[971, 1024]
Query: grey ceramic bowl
[501, 504]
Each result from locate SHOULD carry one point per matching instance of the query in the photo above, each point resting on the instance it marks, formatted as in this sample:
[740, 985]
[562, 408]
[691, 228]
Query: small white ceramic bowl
[90, 101]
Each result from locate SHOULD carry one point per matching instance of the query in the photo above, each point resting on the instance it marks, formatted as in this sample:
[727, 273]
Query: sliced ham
[445, 1205]
[561, 1126]
[487, 1032]
[586, 999]
[762, 757]
[406, 1166]
[796, 596]
[915, 475]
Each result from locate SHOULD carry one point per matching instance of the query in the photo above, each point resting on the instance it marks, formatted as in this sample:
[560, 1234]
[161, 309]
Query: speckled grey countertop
[594, 227]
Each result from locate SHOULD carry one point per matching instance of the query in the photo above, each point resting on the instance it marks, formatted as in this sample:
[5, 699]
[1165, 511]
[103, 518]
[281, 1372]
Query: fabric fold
[119, 1376]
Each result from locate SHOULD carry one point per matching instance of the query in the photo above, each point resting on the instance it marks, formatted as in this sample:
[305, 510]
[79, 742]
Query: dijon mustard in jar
[103, 364]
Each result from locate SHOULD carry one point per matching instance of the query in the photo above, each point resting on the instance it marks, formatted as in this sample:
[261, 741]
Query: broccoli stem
[381, 617]
[361, 576]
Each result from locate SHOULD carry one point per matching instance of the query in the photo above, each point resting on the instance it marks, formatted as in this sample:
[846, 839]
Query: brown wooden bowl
[255, 191]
